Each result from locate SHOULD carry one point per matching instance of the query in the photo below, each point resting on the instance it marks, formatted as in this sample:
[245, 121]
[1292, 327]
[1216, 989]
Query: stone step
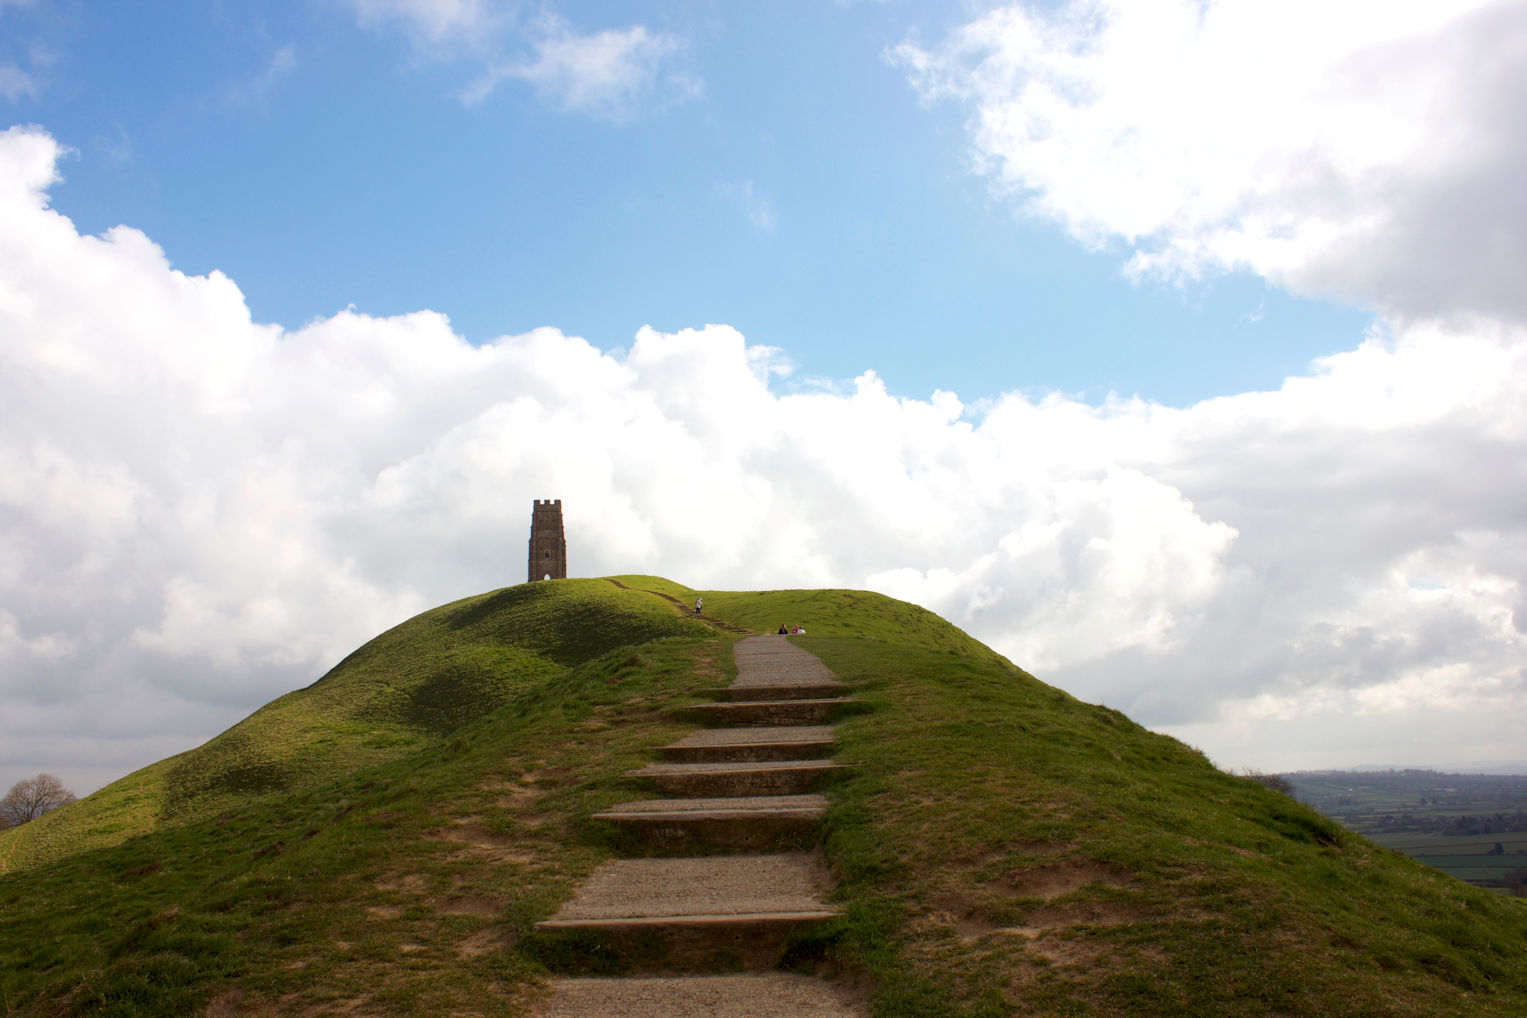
[679, 915]
[771, 712]
[719, 745]
[780, 691]
[681, 943]
[764, 995]
[734, 822]
[769, 777]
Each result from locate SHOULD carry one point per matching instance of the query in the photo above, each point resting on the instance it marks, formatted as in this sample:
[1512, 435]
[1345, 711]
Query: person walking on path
[699, 603]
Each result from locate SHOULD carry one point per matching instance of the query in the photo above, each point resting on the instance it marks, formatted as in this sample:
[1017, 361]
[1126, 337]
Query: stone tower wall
[548, 548]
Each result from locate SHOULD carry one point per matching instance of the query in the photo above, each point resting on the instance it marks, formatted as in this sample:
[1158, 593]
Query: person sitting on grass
[782, 630]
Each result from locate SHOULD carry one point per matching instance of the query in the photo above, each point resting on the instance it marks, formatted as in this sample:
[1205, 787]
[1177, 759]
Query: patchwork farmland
[1470, 826]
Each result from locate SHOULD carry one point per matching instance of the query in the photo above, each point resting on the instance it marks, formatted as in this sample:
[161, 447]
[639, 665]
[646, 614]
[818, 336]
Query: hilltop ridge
[385, 839]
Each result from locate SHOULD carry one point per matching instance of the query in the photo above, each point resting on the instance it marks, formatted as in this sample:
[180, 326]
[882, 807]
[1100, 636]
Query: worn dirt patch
[352, 1006]
[968, 920]
[387, 912]
[484, 942]
[1052, 880]
[706, 666]
[490, 848]
[474, 834]
[406, 882]
[971, 922]
[1021, 932]
[1090, 913]
[1067, 951]
[1076, 949]
[1244, 853]
[554, 777]
[471, 904]
[534, 821]
[226, 1004]
[513, 795]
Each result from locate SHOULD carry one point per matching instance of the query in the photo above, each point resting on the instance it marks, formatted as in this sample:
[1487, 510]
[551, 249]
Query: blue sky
[1174, 348]
[800, 192]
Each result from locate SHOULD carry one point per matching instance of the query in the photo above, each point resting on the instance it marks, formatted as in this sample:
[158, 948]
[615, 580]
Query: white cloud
[609, 74]
[1364, 150]
[754, 206]
[257, 90]
[434, 21]
[202, 512]
[15, 83]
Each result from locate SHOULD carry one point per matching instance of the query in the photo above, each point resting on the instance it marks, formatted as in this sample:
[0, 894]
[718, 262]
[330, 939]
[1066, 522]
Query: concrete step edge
[702, 815]
[665, 770]
[747, 752]
[753, 694]
[697, 920]
[813, 701]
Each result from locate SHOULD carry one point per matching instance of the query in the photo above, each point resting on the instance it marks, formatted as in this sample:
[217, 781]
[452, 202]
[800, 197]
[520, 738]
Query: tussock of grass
[383, 841]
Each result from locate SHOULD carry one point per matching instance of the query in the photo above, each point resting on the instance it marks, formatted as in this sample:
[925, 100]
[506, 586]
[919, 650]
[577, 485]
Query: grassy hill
[383, 840]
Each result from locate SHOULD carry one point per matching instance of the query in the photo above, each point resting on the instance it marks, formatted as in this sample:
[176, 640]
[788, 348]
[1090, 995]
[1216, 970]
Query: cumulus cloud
[611, 74]
[202, 511]
[434, 21]
[1362, 150]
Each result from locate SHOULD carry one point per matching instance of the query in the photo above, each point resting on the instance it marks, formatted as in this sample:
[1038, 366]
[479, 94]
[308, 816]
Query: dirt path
[686, 610]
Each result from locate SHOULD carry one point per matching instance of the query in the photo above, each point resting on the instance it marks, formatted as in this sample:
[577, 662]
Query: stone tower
[548, 548]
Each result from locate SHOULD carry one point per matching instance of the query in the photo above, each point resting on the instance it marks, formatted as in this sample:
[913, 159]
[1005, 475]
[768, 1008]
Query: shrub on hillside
[1277, 782]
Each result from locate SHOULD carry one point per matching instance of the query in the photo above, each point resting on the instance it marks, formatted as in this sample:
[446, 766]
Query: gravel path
[756, 736]
[709, 885]
[775, 661]
[658, 770]
[767, 995]
[740, 803]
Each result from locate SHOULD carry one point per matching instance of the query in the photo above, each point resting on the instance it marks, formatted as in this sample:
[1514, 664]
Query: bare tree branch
[30, 798]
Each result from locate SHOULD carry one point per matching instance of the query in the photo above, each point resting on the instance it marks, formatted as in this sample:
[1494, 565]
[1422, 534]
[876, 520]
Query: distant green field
[1451, 822]
[1466, 857]
[1470, 844]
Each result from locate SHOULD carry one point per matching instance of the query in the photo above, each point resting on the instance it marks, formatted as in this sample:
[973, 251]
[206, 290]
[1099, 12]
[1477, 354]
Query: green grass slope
[1001, 848]
[407, 689]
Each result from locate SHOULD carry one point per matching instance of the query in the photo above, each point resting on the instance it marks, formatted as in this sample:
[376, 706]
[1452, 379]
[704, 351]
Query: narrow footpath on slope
[703, 934]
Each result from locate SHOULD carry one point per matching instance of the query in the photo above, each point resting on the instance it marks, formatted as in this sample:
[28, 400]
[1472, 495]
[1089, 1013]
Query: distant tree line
[1429, 786]
[1490, 823]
